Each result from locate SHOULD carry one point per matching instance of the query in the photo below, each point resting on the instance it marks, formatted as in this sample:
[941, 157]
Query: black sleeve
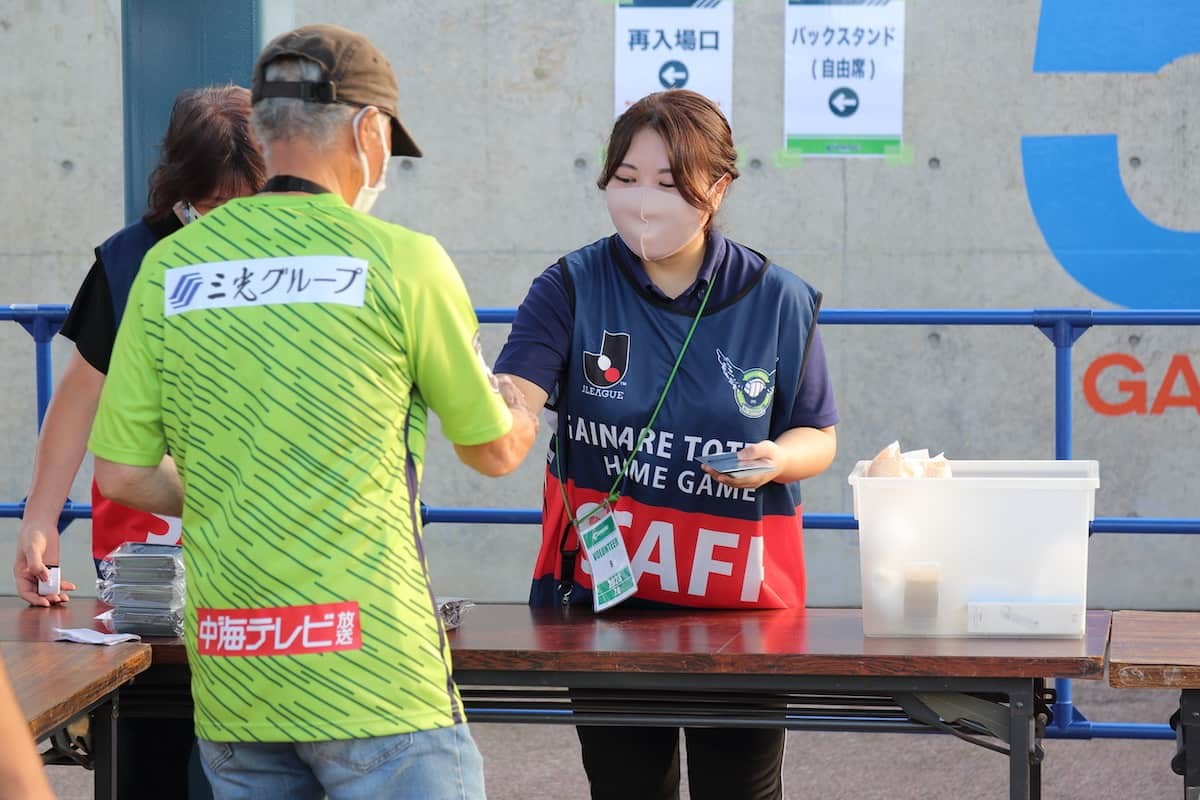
[91, 323]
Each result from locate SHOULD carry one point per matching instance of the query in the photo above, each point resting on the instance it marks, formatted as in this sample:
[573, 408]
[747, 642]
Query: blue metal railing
[1062, 326]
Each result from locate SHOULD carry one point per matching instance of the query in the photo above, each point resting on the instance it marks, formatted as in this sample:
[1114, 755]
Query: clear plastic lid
[452, 610]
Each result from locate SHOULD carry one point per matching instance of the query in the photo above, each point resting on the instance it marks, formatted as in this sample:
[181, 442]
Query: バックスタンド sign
[844, 77]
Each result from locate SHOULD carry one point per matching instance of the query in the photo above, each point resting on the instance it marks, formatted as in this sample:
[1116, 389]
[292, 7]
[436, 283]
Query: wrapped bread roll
[938, 467]
[889, 463]
[892, 463]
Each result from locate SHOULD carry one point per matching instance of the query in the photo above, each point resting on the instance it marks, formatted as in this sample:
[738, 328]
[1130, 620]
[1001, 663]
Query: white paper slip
[612, 575]
[89, 636]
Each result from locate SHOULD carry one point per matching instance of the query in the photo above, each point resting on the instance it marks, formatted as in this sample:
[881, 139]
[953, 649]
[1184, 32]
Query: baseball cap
[354, 72]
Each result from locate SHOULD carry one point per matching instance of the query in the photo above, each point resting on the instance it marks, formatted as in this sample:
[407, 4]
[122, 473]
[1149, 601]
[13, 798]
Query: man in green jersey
[286, 349]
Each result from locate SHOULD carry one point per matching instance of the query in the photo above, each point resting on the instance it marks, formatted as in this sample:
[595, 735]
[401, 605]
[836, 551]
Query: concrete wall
[511, 101]
[63, 194]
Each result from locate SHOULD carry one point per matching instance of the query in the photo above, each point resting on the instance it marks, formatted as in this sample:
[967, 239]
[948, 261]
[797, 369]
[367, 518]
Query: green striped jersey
[285, 350]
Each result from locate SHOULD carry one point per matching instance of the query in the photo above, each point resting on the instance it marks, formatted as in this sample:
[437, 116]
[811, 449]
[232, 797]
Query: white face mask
[653, 223]
[367, 194]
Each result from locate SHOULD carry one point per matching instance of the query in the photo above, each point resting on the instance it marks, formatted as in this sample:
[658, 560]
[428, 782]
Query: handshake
[514, 398]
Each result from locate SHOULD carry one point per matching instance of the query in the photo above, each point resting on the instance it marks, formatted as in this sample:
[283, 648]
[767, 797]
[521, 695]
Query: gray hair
[278, 119]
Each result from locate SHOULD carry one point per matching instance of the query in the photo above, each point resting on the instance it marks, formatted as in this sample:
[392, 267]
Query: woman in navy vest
[596, 339]
[208, 156]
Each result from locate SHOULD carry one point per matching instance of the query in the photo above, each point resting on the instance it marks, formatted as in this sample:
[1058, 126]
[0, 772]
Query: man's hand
[513, 397]
[503, 455]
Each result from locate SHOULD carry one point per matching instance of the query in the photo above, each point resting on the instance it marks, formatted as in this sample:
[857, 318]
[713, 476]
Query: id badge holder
[612, 575]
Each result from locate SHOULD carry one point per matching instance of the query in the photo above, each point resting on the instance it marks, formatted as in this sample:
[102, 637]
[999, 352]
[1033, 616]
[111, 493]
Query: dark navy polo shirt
[538, 345]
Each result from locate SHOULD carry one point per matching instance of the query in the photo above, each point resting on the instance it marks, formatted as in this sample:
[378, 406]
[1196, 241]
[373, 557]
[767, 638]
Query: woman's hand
[767, 450]
[36, 545]
[60, 449]
[796, 454]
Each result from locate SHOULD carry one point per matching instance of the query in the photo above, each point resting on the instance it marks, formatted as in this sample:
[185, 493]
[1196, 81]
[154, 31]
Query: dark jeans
[643, 763]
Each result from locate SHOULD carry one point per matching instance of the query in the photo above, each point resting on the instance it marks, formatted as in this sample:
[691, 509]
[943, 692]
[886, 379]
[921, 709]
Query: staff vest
[692, 541]
[112, 523]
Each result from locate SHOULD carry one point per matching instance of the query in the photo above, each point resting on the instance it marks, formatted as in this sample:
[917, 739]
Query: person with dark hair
[294, 392]
[208, 155]
[658, 346]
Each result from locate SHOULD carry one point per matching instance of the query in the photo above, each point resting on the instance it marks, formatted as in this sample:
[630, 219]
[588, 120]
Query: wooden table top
[54, 682]
[19, 622]
[1155, 650]
[816, 641]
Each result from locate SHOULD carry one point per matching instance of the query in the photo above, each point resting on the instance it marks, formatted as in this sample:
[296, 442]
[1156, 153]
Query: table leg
[155, 729]
[105, 752]
[1189, 727]
[1022, 776]
[1041, 716]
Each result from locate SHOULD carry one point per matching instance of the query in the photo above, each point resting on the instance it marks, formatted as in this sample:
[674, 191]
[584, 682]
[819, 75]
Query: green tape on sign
[899, 155]
[785, 160]
[842, 146]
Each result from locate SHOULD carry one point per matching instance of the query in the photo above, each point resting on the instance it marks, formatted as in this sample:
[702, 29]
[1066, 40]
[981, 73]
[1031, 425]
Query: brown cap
[354, 72]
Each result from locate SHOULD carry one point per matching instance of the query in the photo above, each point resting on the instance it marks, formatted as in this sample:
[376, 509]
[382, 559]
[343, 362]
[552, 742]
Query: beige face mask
[653, 223]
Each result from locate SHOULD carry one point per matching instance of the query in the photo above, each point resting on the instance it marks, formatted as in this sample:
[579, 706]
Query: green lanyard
[613, 492]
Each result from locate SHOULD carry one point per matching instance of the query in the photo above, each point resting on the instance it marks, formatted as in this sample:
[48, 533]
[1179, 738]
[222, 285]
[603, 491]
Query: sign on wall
[673, 44]
[844, 77]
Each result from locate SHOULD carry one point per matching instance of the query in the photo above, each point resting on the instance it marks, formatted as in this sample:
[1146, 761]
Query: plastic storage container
[1000, 549]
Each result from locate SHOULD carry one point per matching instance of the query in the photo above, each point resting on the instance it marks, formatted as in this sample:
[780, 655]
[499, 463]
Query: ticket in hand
[730, 464]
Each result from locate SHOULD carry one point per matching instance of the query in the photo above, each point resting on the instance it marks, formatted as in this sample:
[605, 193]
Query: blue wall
[168, 46]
